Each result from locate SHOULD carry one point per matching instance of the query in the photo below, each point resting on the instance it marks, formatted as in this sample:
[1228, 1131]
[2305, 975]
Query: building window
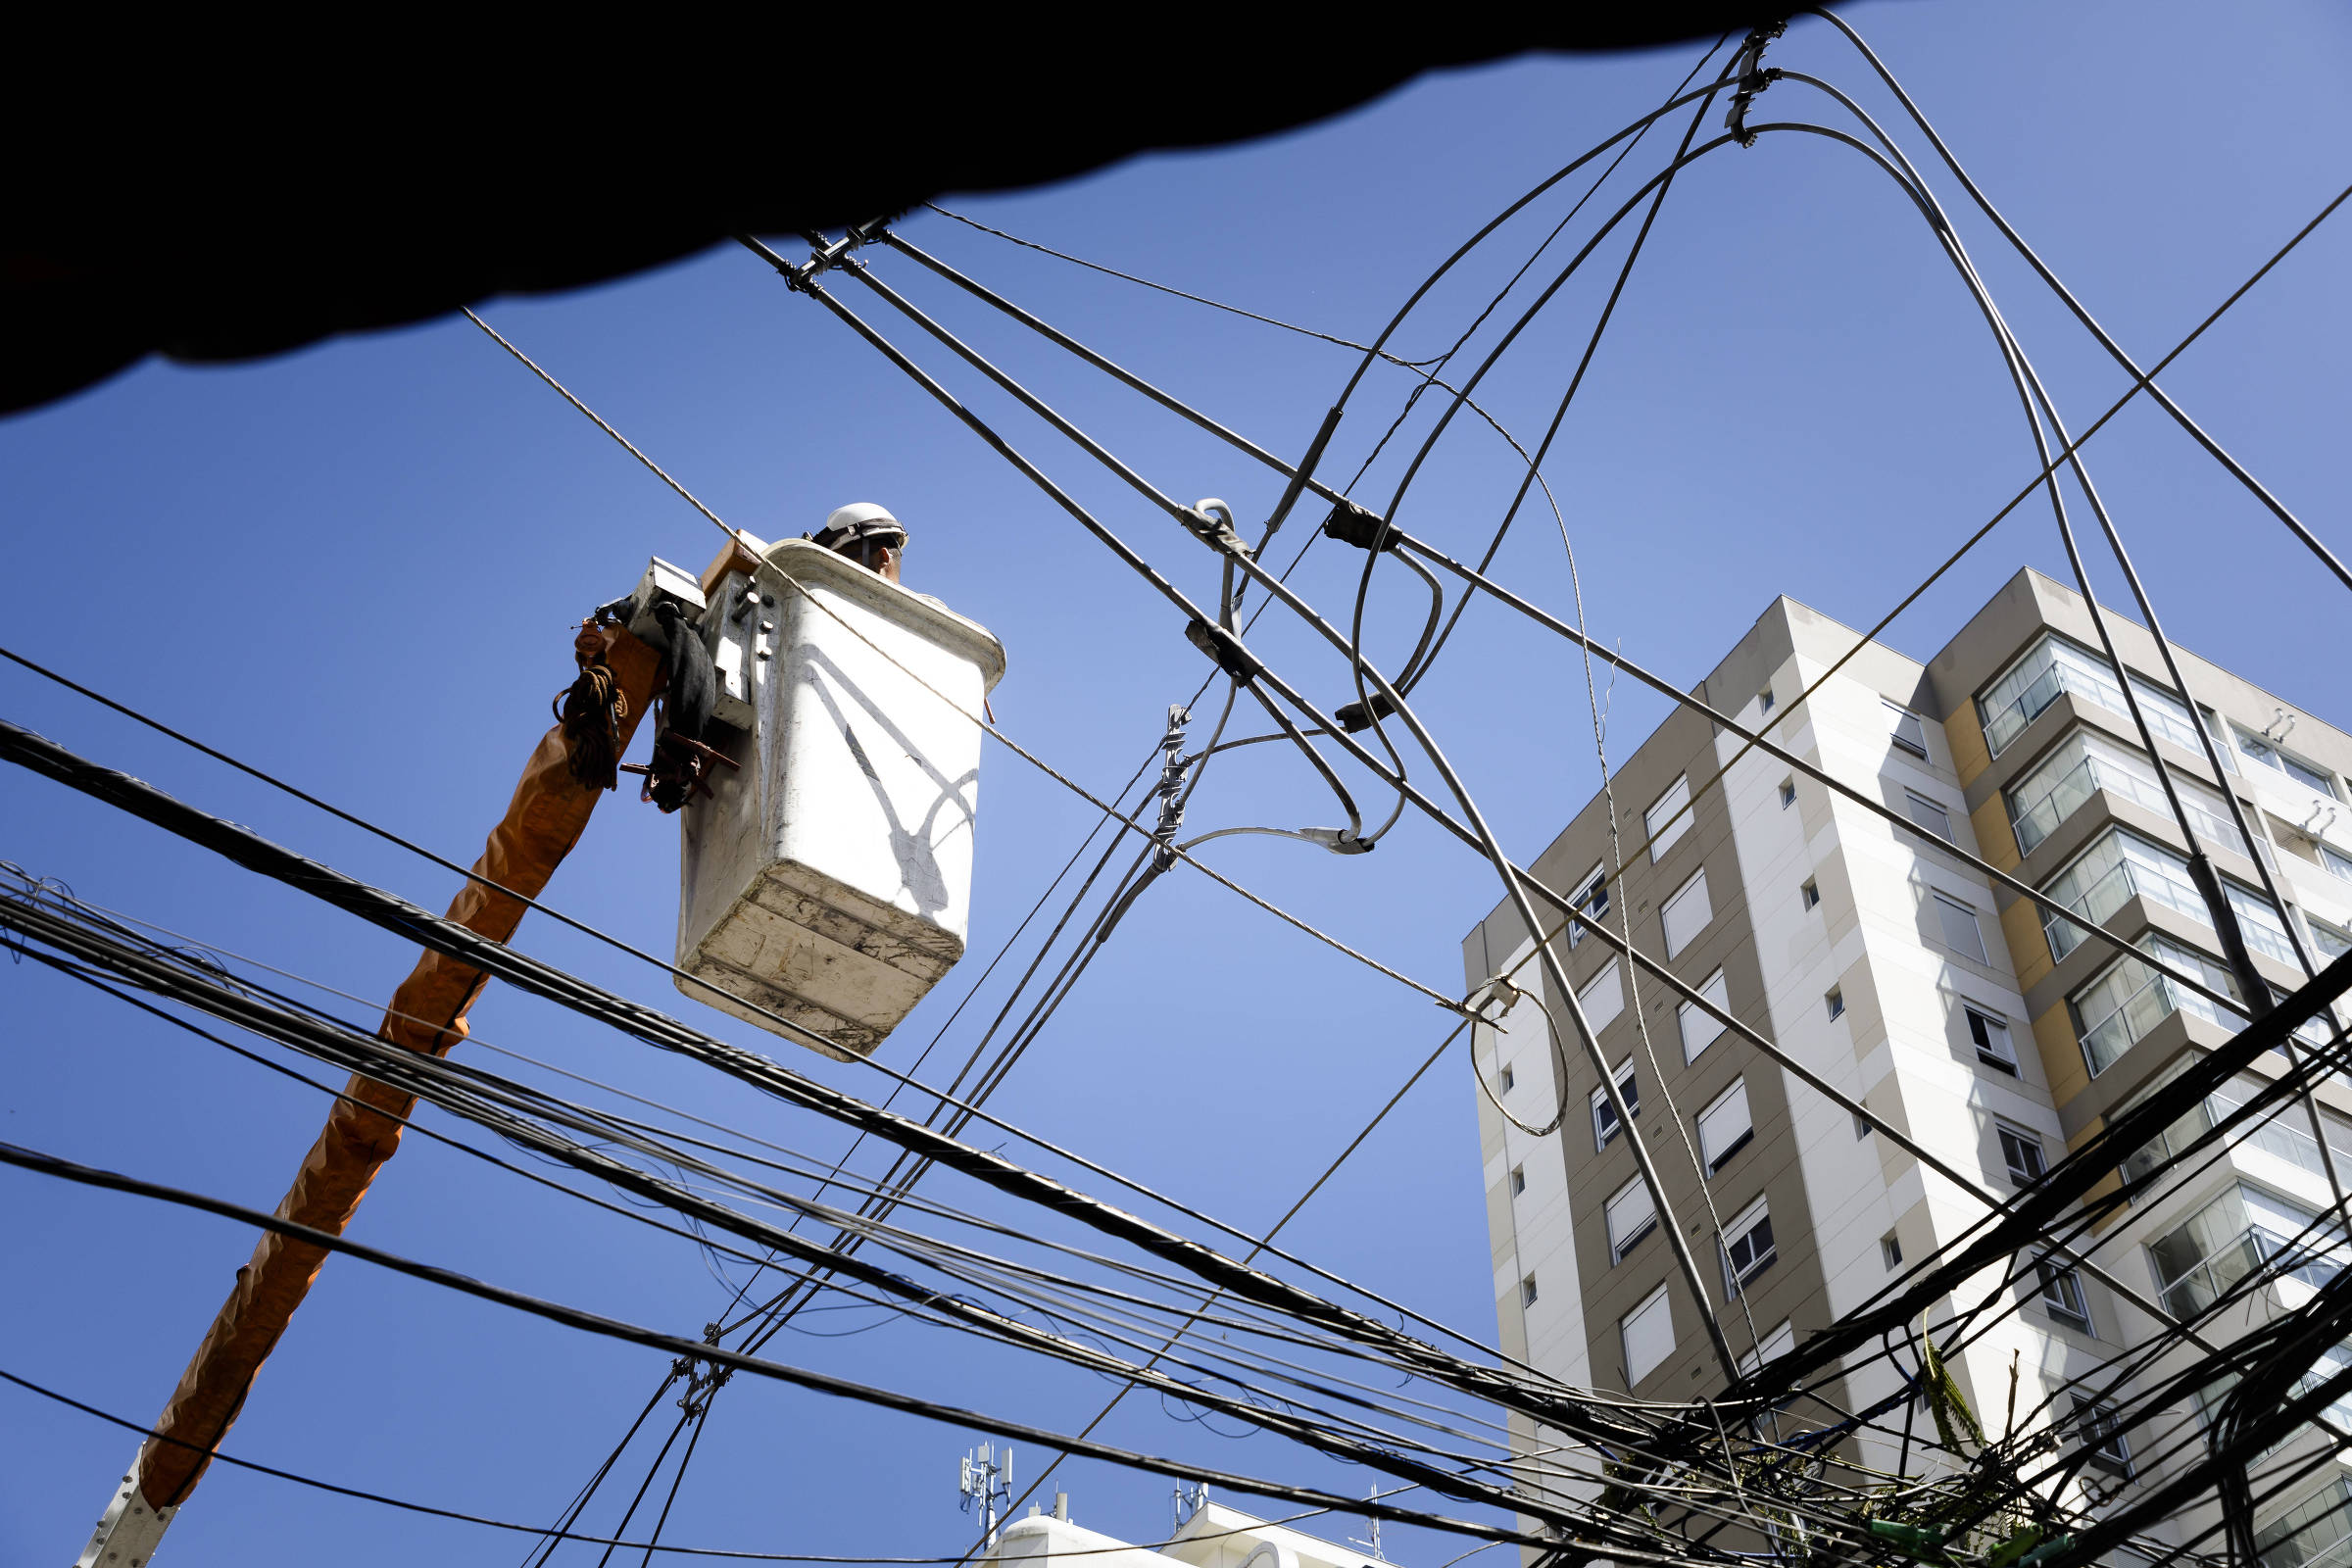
[2312, 1533]
[1669, 819]
[1604, 998]
[1518, 1180]
[1765, 700]
[2202, 1259]
[1891, 1251]
[1527, 1291]
[1810, 892]
[1906, 731]
[2334, 942]
[1508, 1078]
[1861, 1126]
[1687, 913]
[2020, 1152]
[1929, 814]
[1836, 1003]
[2271, 756]
[1788, 793]
[1990, 1035]
[1593, 897]
[1698, 1027]
[1631, 1217]
[2102, 1434]
[1604, 1115]
[1748, 1245]
[1725, 1127]
[2258, 921]
[2054, 666]
[1961, 933]
[2062, 1293]
[2118, 867]
[2128, 998]
[1647, 1335]
[2085, 763]
[2336, 860]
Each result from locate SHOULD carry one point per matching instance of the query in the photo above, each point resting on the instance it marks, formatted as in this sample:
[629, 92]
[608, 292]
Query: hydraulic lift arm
[546, 817]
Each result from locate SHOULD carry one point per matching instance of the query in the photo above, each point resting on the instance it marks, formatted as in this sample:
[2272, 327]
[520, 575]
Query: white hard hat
[859, 521]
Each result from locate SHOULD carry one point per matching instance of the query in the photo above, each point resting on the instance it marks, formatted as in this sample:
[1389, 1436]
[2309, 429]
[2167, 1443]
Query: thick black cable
[653, 1339]
[405, 1505]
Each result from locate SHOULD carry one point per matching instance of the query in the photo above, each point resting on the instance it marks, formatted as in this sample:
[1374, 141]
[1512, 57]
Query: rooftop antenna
[986, 1479]
[1189, 1501]
[1371, 1495]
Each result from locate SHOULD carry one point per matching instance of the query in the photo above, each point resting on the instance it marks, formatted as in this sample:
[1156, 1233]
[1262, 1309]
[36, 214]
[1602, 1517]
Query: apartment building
[1207, 1534]
[1993, 1037]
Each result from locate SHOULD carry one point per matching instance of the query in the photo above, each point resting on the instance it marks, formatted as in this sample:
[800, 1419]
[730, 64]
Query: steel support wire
[1754, 739]
[1407, 679]
[434, 1079]
[543, 980]
[2035, 395]
[2114, 351]
[1193, 518]
[801, 1377]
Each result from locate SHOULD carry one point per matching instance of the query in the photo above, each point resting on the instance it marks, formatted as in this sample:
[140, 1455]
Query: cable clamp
[1356, 716]
[1210, 522]
[1338, 841]
[1493, 1002]
[1753, 78]
[1225, 648]
[1351, 525]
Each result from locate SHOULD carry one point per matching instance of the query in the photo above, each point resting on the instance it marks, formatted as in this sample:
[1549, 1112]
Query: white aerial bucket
[827, 878]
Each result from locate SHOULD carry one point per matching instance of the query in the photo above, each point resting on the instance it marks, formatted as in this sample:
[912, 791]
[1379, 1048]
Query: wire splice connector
[1351, 525]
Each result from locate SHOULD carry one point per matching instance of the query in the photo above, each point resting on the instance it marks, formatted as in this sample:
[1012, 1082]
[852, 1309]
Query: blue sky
[357, 566]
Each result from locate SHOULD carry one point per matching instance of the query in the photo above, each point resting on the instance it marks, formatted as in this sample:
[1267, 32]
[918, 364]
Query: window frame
[1619, 1248]
[2105, 1443]
[1914, 719]
[1683, 815]
[1788, 793]
[1629, 1084]
[1976, 923]
[1696, 883]
[1914, 801]
[1659, 1301]
[1836, 998]
[1756, 1216]
[1592, 896]
[2006, 1059]
[1613, 971]
[1716, 988]
[1715, 1161]
[2061, 1295]
[1518, 1180]
[2014, 1142]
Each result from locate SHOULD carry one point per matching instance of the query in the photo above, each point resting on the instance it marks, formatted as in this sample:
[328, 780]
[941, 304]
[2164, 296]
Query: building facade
[1993, 1036]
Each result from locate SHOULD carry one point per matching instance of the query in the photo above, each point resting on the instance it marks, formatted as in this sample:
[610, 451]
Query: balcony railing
[2114, 888]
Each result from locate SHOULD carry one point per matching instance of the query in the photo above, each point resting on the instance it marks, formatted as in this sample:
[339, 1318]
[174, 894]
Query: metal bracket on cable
[1225, 648]
[1753, 78]
[824, 254]
[1210, 520]
[1351, 525]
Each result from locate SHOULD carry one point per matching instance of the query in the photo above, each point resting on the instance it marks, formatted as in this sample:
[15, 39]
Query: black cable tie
[1351, 525]
[1359, 716]
[1225, 648]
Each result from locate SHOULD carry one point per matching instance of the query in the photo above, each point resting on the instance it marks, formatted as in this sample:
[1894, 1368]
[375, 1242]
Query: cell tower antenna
[985, 1480]
[1371, 1495]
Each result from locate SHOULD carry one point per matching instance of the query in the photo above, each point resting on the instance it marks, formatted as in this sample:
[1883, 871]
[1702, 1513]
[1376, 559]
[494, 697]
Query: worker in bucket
[865, 533]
